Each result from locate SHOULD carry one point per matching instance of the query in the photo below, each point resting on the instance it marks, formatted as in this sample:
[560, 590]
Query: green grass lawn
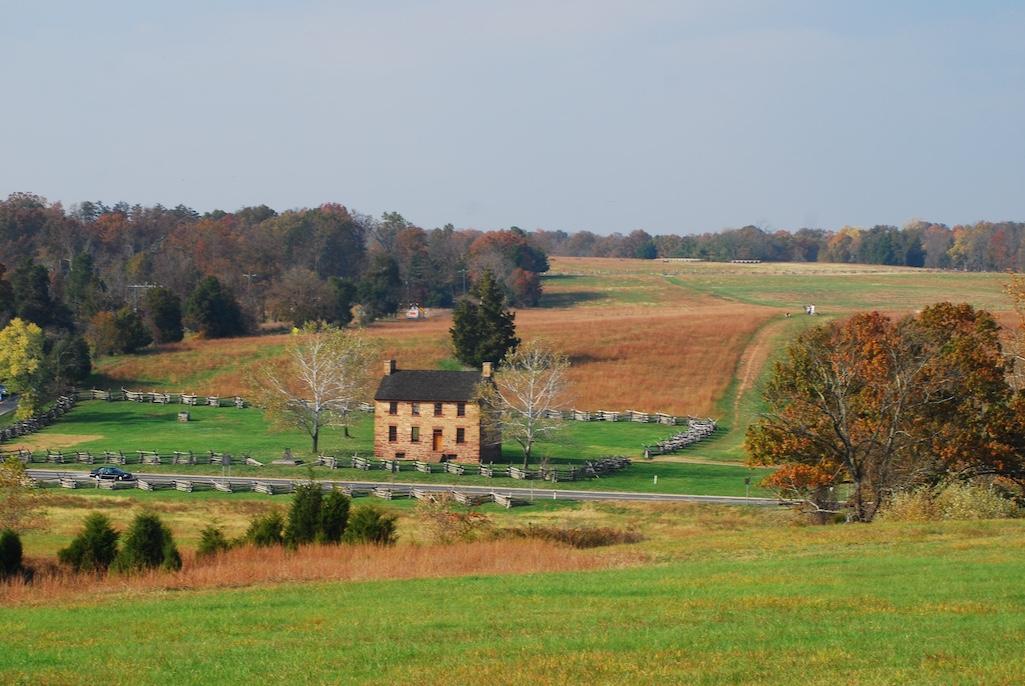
[906, 290]
[143, 426]
[131, 426]
[879, 604]
[673, 477]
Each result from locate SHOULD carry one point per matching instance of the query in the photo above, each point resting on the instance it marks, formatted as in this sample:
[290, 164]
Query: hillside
[713, 596]
[653, 335]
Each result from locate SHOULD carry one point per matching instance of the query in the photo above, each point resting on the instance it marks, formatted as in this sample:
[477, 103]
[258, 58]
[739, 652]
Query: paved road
[524, 493]
[8, 404]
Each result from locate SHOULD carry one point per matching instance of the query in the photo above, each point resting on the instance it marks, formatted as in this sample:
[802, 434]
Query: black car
[111, 474]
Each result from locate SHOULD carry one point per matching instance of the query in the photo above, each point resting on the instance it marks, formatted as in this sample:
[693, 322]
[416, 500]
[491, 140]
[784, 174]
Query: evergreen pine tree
[266, 530]
[212, 541]
[83, 287]
[30, 283]
[94, 549]
[10, 553]
[131, 332]
[6, 297]
[67, 361]
[212, 310]
[163, 315]
[304, 514]
[344, 292]
[334, 516]
[380, 287]
[369, 524]
[483, 329]
[148, 544]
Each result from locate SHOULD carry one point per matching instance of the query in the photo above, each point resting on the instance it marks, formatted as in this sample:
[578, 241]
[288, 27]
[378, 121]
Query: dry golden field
[654, 335]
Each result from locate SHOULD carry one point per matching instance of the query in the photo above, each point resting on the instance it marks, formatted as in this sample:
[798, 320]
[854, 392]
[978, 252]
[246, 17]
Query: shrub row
[576, 537]
[148, 544]
[954, 500]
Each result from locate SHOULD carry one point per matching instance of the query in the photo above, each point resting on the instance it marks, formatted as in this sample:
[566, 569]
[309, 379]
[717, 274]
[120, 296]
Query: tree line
[101, 279]
[983, 246]
[294, 266]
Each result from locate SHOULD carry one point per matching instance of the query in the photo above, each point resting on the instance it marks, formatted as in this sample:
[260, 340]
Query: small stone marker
[287, 459]
[183, 416]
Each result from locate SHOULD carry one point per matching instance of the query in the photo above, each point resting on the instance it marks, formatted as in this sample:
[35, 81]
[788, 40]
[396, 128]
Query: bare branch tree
[529, 386]
[325, 375]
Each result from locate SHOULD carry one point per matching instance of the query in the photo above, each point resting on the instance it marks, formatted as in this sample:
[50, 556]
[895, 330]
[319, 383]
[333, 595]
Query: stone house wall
[404, 420]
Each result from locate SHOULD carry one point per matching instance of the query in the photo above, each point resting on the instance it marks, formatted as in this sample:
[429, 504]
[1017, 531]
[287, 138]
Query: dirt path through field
[752, 361]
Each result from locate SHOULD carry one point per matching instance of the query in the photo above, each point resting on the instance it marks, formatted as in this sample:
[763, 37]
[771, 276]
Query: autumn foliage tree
[511, 259]
[885, 404]
[301, 296]
[21, 363]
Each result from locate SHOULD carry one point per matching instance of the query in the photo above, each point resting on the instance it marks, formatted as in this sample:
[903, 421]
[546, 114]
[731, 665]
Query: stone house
[432, 416]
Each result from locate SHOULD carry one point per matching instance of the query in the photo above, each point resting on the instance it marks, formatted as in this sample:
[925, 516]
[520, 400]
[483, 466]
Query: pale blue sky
[609, 116]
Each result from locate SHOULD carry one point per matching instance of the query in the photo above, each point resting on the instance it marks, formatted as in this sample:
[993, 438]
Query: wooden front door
[437, 440]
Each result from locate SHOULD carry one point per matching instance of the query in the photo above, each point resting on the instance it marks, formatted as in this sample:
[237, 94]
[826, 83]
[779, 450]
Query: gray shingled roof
[428, 385]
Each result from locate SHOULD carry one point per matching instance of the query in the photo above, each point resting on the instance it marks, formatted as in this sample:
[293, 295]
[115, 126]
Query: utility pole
[249, 289]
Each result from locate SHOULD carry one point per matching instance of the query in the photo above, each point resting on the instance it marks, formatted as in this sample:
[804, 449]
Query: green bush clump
[369, 524]
[148, 544]
[954, 500]
[10, 554]
[304, 514]
[212, 541]
[334, 517]
[313, 517]
[94, 548]
[266, 530]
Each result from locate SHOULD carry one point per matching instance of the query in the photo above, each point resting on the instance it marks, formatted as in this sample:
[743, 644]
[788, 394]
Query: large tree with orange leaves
[883, 404]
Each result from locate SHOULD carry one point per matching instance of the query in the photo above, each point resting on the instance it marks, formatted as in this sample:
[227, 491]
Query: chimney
[389, 367]
[485, 370]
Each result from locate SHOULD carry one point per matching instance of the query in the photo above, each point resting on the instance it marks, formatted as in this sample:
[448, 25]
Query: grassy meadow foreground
[711, 596]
